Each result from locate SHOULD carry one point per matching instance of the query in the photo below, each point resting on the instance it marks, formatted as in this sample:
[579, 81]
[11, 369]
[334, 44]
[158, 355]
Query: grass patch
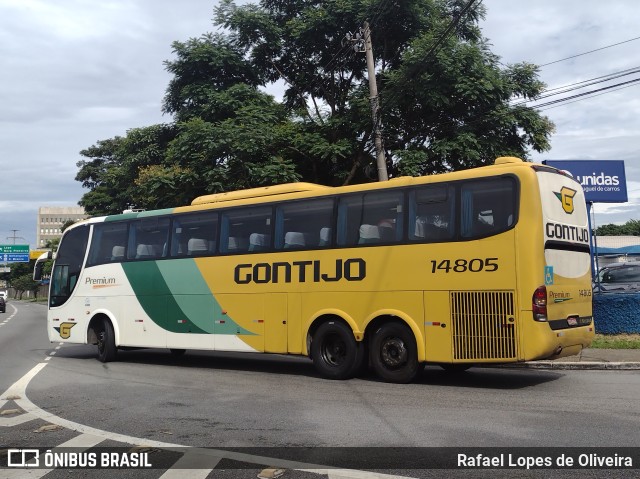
[616, 341]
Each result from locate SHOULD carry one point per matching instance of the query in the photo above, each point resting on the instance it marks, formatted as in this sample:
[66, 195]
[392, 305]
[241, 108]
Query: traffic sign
[14, 248]
[14, 258]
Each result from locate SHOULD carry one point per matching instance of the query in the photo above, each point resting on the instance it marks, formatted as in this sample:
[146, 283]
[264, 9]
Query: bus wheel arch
[333, 348]
[101, 333]
[393, 349]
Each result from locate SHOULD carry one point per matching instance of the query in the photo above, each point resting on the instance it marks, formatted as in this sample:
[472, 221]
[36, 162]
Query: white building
[51, 219]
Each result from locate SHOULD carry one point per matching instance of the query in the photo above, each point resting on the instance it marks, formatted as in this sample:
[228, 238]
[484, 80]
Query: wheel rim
[394, 352]
[334, 350]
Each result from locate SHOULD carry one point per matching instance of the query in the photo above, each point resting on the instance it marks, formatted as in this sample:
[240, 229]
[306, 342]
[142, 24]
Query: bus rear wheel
[107, 350]
[335, 352]
[394, 356]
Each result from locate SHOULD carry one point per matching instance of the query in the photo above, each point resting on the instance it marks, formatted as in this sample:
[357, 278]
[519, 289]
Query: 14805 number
[474, 265]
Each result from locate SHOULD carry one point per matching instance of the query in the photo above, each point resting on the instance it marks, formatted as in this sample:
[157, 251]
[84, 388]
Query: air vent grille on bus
[483, 325]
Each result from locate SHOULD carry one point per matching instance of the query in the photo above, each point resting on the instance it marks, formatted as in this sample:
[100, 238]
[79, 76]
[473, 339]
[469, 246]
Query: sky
[74, 72]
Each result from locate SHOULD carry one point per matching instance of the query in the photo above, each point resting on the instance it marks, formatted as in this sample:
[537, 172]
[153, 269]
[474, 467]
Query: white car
[4, 295]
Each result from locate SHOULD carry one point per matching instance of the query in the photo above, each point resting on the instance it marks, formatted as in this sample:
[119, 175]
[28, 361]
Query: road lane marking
[192, 465]
[18, 393]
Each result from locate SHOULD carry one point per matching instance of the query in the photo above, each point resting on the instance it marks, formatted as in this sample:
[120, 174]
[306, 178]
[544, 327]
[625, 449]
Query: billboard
[602, 181]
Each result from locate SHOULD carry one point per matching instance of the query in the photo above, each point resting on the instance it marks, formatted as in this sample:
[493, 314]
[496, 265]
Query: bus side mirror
[37, 270]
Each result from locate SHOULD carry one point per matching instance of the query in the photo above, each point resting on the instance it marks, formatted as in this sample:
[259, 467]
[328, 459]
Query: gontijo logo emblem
[65, 330]
[566, 198]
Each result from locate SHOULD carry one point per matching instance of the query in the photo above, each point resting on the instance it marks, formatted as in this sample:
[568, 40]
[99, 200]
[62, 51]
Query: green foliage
[630, 228]
[114, 165]
[20, 277]
[442, 109]
[24, 283]
[53, 244]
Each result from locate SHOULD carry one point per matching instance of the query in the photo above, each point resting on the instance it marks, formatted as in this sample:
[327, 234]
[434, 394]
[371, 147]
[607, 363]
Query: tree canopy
[446, 103]
[630, 228]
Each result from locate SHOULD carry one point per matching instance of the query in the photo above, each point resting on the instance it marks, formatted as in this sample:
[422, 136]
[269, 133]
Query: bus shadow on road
[487, 377]
[276, 364]
[200, 359]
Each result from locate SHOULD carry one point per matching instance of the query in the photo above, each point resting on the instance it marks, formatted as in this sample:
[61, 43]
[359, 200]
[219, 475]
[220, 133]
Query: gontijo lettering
[567, 232]
[352, 269]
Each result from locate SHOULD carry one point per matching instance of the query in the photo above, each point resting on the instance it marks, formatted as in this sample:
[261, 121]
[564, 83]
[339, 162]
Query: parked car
[3, 305]
[618, 278]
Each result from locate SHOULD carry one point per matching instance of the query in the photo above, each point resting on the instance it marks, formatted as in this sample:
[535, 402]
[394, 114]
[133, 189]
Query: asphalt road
[225, 400]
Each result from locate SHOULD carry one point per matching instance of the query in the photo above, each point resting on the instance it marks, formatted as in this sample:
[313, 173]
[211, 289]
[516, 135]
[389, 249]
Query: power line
[560, 100]
[578, 85]
[450, 27]
[590, 51]
[586, 98]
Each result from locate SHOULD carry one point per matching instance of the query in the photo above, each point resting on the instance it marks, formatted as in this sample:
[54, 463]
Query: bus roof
[258, 192]
[287, 190]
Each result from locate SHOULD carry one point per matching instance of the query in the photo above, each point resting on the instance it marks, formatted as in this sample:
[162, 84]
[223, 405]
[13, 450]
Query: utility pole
[360, 38]
[14, 237]
[375, 105]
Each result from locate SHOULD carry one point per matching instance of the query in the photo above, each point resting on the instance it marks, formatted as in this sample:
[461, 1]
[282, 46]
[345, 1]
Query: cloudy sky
[77, 71]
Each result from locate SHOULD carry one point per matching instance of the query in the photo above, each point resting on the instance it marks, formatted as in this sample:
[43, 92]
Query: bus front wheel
[335, 352]
[106, 342]
[394, 355]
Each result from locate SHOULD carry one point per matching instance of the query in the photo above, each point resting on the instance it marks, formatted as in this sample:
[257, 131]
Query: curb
[585, 365]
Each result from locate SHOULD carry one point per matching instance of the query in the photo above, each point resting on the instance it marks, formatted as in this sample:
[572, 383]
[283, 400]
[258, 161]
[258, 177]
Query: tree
[18, 271]
[444, 108]
[630, 228]
[24, 283]
[114, 165]
[445, 103]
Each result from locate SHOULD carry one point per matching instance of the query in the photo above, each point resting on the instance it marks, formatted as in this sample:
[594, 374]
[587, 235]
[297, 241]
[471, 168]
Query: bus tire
[335, 352]
[394, 355]
[107, 350]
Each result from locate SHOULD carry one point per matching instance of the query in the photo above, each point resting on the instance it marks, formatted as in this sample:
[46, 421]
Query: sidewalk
[591, 359]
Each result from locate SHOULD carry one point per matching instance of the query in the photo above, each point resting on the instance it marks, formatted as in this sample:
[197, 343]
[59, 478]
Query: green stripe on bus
[156, 299]
[176, 297]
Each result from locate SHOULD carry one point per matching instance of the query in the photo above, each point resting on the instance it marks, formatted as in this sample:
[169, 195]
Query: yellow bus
[487, 265]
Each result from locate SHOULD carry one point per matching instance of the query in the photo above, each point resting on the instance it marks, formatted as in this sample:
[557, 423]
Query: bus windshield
[68, 265]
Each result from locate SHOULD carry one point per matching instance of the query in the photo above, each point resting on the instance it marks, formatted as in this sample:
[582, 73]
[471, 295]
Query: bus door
[275, 323]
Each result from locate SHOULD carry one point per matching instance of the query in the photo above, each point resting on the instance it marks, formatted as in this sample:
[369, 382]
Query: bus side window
[239, 226]
[488, 207]
[194, 234]
[147, 237]
[299, 223]
[431, 213]
[362, 216]
[107, 243]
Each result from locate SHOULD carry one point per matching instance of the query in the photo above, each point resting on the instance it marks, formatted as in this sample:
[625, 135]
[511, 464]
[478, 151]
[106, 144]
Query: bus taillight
[539, 304]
